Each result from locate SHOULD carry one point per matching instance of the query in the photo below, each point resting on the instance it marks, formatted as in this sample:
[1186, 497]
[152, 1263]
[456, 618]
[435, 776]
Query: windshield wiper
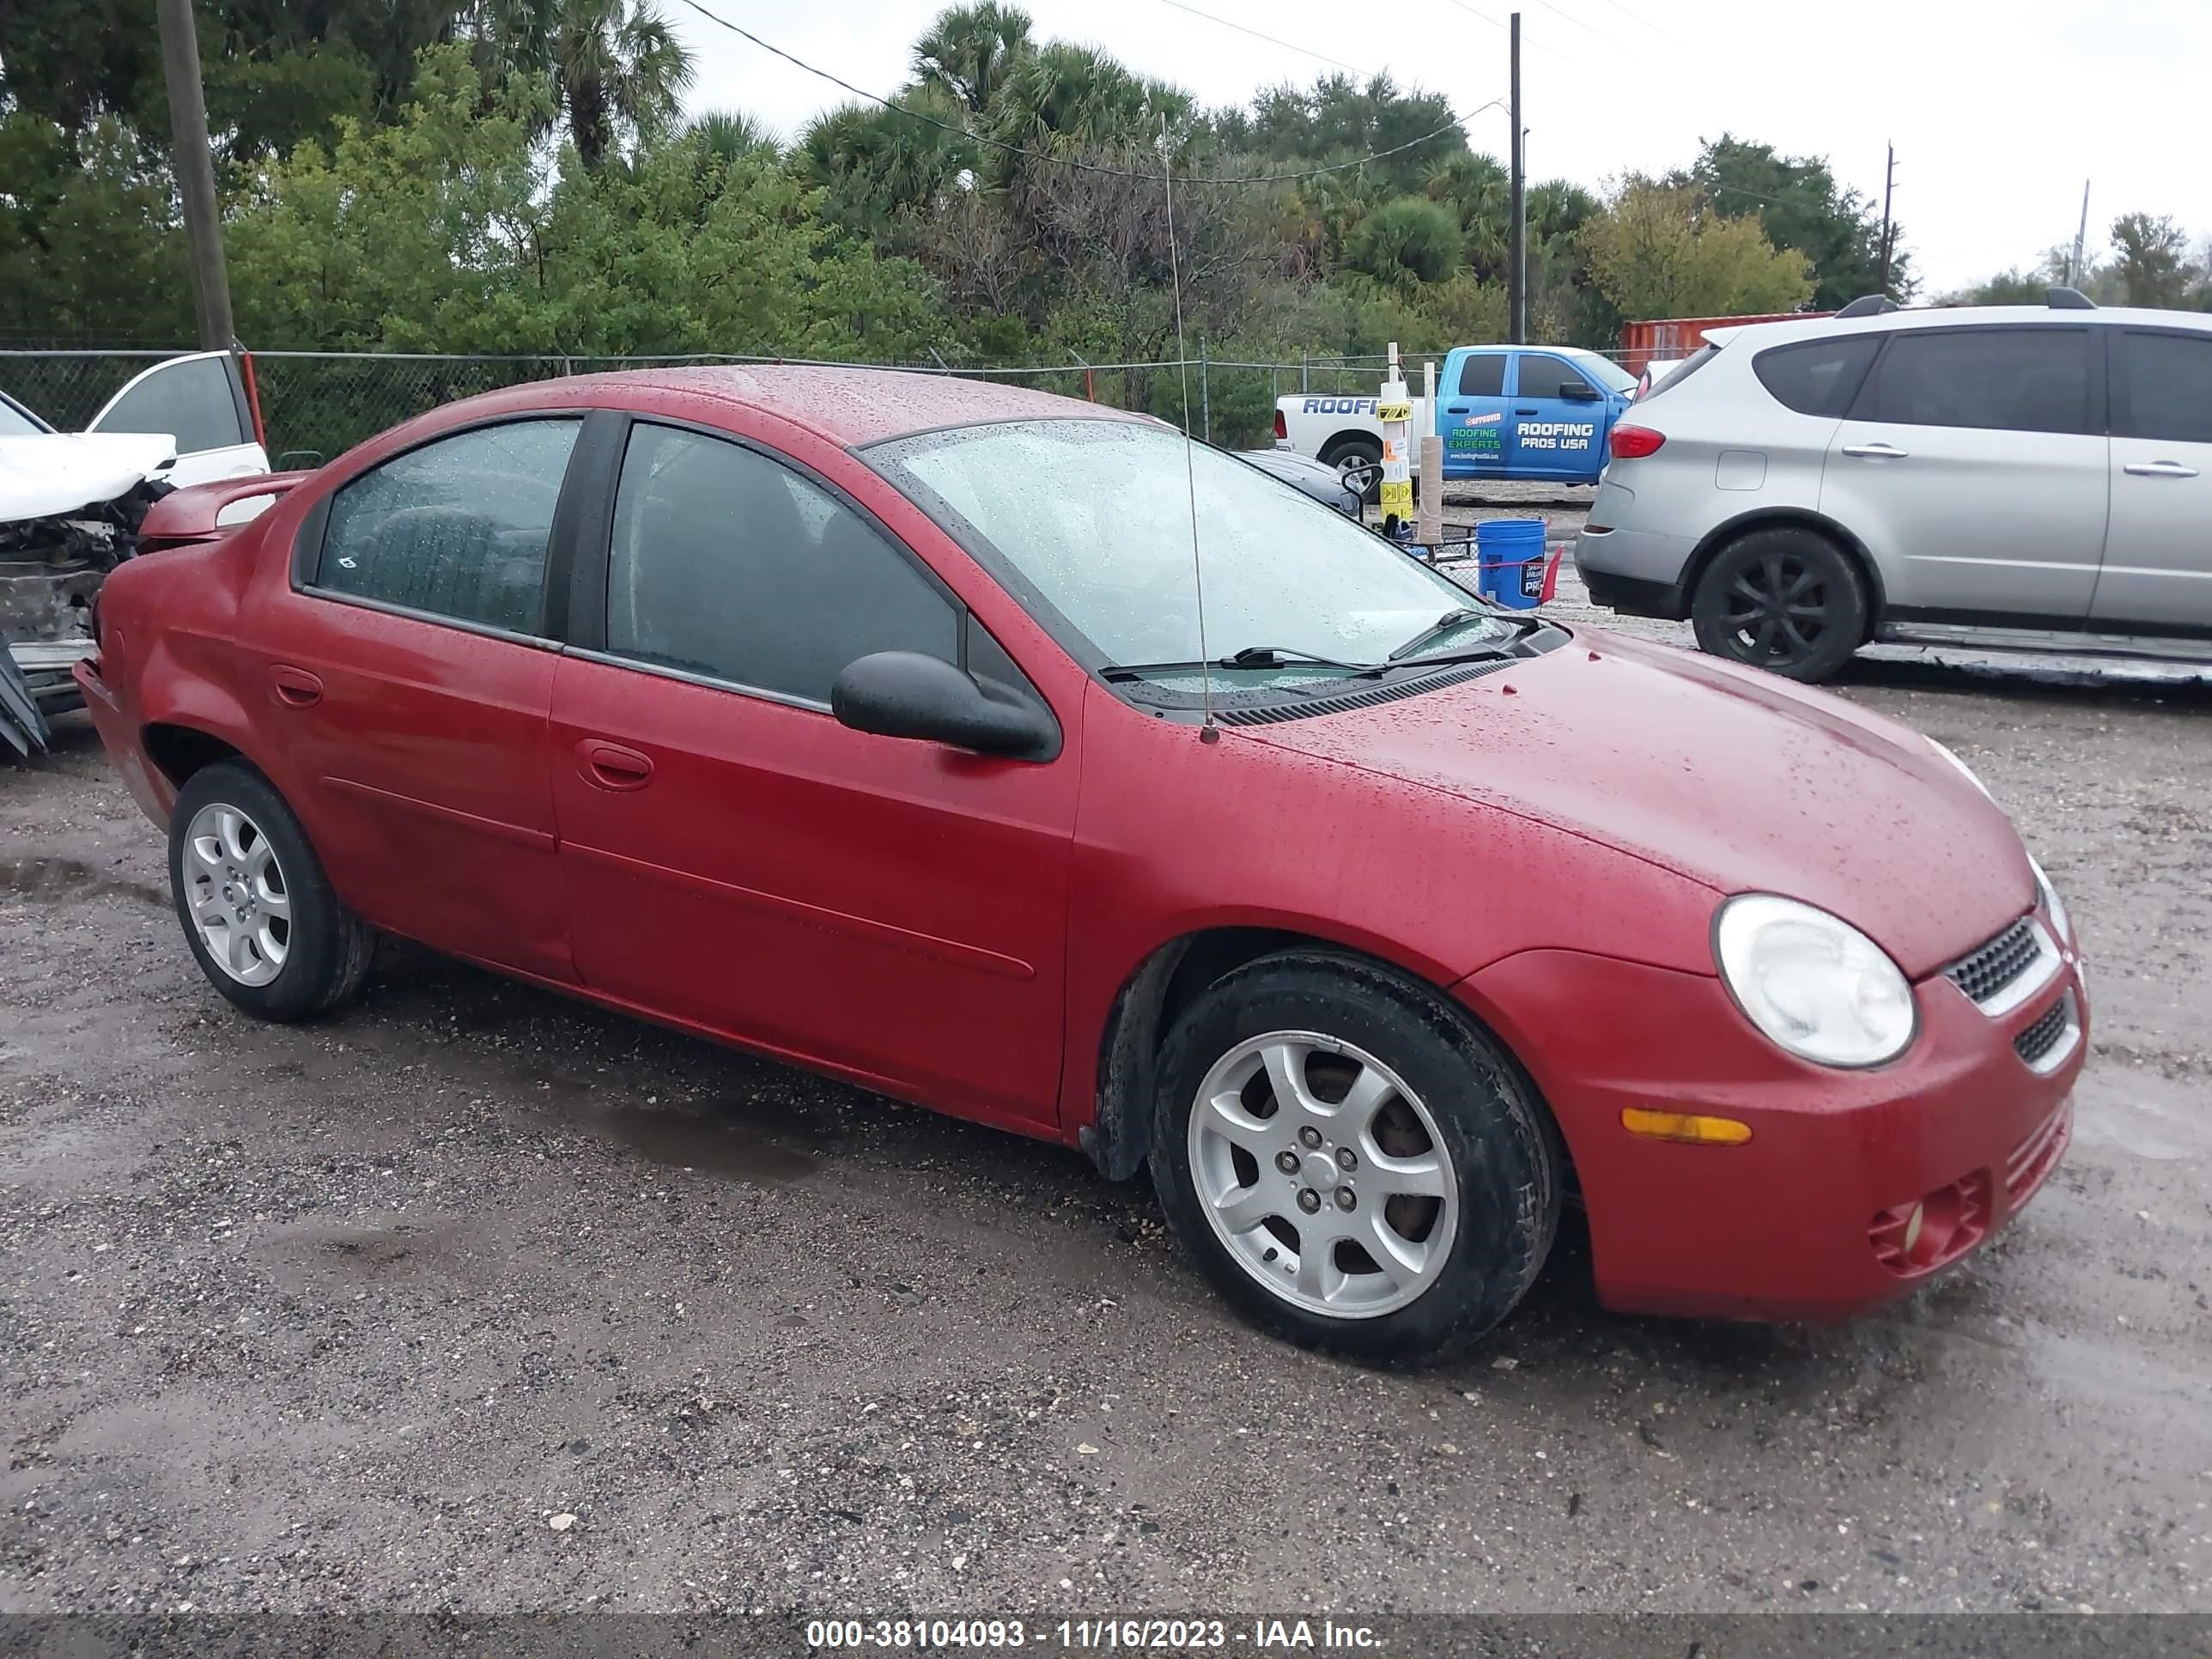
[1251, 656]
[1457, 617]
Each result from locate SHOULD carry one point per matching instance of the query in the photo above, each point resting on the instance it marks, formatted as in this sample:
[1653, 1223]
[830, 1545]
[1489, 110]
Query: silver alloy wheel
[1324, 1174]
[236, 894]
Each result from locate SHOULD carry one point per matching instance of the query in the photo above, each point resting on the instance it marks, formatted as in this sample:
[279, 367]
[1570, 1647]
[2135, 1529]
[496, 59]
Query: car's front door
[1972, 465]
[1471, 418]
[199, 401]
[1555, 421]
[2157, 548]
[735, 857]
[403, 678]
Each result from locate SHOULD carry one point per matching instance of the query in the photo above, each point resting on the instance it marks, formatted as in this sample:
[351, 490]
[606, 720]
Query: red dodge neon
[863, 720]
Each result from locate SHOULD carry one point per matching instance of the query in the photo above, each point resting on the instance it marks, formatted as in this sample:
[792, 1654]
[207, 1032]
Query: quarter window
[728, 564]
[1817, 377]
[2164, 386]
[458, 527]
[2012, 379]
[1482, 375]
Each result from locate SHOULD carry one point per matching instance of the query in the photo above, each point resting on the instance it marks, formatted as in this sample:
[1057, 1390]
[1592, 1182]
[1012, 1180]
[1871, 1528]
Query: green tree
[1800, 206]
[881, 169]
[1337, 117]
[1661, 250]
[614, 68]
[1411, 238]
[90, 251]
[2150, 261]
[969, 51]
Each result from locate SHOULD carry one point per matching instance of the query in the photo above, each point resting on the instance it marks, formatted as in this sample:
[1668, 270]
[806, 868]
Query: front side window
[192, 402]
[2163, 386]
[2009, 379]
[728, 564]
[457, 528]
[1090, 523]
[1817, 377]
[1546, 376]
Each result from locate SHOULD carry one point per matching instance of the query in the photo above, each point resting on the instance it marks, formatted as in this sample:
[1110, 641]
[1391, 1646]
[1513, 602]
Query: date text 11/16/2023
[1162, 1635]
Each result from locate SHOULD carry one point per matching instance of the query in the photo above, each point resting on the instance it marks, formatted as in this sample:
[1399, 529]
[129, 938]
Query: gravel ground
[474, 1299]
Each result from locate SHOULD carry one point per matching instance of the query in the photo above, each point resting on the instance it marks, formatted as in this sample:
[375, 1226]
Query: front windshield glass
[1606, 371]
[1094, 517]
[13, 424]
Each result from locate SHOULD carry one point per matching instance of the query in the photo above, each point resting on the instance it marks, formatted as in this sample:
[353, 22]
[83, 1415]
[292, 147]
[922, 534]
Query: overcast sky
[1998, 111]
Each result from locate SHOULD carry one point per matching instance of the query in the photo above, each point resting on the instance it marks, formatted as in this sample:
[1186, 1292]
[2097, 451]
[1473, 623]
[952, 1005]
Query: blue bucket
[1509, 555]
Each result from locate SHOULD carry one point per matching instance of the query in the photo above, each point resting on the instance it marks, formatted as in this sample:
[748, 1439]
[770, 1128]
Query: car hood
[43, 473]
[1736, 779]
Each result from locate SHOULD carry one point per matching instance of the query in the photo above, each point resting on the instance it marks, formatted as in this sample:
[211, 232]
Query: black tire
[1502, 1148]
[328, 949]
[1365, 452]
[1787, 600]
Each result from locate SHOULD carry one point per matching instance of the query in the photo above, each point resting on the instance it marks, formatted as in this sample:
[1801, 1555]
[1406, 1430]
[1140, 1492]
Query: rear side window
[1482, 375]
[457, 528]
[729, 564]
[2011, 380]
[192, 402]
[1817, 377]
[1543, 376]
[2162, 386]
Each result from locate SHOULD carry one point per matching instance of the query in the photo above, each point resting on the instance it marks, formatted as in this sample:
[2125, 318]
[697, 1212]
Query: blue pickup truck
[1519, 412]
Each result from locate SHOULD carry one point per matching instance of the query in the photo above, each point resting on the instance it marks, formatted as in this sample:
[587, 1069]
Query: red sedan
[866, 721]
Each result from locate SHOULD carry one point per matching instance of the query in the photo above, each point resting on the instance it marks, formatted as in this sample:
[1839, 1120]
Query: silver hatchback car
[2035, 478]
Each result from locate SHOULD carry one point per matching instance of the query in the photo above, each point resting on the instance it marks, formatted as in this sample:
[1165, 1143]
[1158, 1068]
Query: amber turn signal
[1684, 1126]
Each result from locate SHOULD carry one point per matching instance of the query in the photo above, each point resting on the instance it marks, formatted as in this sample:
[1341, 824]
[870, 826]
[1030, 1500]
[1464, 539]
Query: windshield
[1606, 371]
[13, 422]
[1093, 519]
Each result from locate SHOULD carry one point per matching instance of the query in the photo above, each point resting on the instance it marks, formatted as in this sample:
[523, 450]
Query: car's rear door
[1557, 419]
[734, 856]
[2157, 569]
[405, 674]
[199, 400]
[1471, 417]
[1973, 466]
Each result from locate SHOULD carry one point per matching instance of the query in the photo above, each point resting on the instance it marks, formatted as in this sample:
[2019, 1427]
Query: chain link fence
[316, 404]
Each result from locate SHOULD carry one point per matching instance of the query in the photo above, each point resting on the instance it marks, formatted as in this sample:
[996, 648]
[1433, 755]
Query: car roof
[1889, 322]
[850, 407]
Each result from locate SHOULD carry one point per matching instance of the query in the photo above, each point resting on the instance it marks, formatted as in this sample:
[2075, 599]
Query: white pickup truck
[1503, 412]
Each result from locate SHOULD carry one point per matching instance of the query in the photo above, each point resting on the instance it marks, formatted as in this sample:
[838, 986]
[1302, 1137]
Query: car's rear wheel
[1787, 600]
[257, 908]
[1355, 1166]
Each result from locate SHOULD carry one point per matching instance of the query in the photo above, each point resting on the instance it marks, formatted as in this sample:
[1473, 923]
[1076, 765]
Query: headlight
[1964, 769]
[2052, 902]
[1815, 986]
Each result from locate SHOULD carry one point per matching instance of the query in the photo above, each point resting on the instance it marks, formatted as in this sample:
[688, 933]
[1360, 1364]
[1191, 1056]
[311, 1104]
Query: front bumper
[1808, 1219]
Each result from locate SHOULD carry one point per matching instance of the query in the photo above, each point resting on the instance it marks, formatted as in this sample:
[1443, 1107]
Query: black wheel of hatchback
[1355, 1166]
[257, 908]
[1785, 599]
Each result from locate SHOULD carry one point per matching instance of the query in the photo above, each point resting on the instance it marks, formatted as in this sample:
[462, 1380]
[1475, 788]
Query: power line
[1068, 162]
[1318, 56]
[1638, 17]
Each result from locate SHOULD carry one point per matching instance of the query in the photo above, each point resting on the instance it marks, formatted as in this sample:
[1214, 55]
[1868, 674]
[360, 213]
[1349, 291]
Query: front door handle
[1524, 411]
[1876, 452]
[2159, 470]
[294, 688]
[610, 766]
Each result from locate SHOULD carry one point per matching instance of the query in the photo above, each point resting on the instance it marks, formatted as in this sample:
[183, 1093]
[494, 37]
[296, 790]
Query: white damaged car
[71, 505]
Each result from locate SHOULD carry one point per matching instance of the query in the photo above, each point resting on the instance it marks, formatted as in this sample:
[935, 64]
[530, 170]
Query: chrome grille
[2035, 1043]
[1984, 975]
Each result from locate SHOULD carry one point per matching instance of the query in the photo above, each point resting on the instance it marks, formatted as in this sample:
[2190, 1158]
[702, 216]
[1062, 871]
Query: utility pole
[188, 136]
[1888, 185]
[1516, 268]
[2074, 266]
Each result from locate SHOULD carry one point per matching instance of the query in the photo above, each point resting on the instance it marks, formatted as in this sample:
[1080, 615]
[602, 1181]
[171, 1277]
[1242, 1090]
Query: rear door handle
[2159, 470]
[1459, 408]
[610, 766]
[295, 688]
[1876, 452]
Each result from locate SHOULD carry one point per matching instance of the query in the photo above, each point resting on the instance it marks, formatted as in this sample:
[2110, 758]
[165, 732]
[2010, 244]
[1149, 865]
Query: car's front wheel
[257, 910]
[1787, 600]
[1355, 1166]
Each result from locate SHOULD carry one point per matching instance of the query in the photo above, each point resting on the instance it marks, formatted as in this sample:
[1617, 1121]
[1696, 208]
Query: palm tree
[727, 136]
[612, 66]
[970, 51]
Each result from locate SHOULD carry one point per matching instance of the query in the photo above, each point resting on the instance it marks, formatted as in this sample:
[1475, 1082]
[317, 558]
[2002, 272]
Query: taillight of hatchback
[1634, 443]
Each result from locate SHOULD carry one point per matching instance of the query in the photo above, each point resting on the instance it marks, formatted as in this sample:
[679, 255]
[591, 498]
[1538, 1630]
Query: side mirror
[1579, 392]
[903, 694]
